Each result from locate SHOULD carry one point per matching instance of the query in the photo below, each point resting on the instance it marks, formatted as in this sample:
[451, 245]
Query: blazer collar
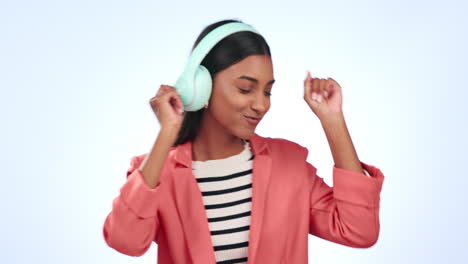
[183, 152]
[191, 209]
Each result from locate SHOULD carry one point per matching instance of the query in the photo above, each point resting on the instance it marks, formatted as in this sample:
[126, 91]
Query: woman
[212, 190]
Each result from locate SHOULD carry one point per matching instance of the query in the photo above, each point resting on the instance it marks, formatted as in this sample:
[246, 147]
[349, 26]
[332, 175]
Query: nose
[260, 103]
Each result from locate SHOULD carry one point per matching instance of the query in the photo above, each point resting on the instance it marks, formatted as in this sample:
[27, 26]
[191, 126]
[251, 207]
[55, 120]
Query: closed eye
[247, 91]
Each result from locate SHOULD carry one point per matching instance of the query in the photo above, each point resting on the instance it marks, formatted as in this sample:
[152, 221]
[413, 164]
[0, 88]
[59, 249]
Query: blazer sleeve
[348, 212]
[133, 222]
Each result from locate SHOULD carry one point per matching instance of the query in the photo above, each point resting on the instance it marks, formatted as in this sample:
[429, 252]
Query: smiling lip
[252, 120]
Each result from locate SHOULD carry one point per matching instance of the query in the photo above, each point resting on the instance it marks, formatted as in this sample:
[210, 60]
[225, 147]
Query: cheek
[226, 107]
[228, 100]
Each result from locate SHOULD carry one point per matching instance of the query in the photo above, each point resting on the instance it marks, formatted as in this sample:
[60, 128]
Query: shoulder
[136, 160]
[287, 148]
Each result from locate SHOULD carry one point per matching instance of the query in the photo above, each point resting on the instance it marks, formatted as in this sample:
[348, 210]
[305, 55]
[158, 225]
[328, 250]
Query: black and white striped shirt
[226, 186]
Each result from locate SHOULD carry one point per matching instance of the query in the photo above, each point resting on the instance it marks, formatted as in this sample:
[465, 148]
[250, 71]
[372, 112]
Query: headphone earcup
[202, 90]
[194, 91]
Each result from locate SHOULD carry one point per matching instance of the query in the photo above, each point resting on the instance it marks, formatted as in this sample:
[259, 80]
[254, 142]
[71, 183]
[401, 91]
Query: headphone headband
[210, 40]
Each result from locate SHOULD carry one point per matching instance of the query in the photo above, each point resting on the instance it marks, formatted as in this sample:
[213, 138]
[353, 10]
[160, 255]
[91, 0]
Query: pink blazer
[289, 202]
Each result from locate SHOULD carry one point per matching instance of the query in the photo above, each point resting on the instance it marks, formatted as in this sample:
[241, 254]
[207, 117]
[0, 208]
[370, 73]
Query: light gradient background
[76, 78]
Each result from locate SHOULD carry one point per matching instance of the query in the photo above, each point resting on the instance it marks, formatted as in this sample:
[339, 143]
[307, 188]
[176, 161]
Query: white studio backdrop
[76, 78]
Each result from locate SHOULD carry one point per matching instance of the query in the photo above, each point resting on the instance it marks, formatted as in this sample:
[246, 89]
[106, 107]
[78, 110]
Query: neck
[213, 142]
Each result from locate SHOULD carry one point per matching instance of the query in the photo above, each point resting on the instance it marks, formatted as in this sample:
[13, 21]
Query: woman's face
[242, 91]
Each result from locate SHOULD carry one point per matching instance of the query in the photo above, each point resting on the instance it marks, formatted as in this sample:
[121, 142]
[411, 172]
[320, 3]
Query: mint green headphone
[194, 85]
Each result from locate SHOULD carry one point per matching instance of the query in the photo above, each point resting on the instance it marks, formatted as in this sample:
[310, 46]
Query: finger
[335, 86]
[162, 90]
[328, 88]
[168, 88]
[177, 102]
[315, 83]
[321, 96]
[175, 91]
[177, 96]
[307, 86]
[317, 90]
[311, 93]
[322, 85]
[306, 78]
[162, 94]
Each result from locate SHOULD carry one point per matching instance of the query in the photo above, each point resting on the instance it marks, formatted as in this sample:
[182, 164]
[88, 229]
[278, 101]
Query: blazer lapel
[191, 209]
[260, 179]
[190, 206]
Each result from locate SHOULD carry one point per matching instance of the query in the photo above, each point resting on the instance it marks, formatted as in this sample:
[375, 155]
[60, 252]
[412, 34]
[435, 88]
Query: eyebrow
[253, 79]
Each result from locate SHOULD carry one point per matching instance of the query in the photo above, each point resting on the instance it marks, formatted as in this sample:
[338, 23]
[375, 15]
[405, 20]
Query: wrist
[169, 132]
[332, 118]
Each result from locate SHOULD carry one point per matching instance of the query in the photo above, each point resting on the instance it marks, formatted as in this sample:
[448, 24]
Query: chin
[241, 131]
[247, 134]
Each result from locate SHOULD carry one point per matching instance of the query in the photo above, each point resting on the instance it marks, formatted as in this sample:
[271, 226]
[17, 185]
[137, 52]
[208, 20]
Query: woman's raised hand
[168, 107]
[323, 96]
